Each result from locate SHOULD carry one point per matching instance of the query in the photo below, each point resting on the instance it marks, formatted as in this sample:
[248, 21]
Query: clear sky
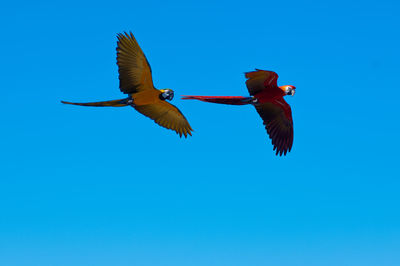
[107, 186]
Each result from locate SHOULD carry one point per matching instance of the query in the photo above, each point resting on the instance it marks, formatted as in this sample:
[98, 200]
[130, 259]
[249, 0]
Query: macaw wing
[166, 115]
[260, 80]
[133, 67]
[277, 117]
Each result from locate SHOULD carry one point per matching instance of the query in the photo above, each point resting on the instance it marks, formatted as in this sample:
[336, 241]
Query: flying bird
[267, 98]
[135, 79]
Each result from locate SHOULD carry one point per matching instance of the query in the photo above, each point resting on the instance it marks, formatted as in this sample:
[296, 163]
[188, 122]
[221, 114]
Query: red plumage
[268, 100]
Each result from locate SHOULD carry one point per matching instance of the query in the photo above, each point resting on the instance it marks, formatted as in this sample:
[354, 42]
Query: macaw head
[167, 94]
[288, 89]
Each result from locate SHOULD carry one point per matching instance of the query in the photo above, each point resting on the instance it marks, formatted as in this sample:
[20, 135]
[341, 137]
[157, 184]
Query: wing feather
[261, 80]
[277, 118]
[166, 115]
[133, 67]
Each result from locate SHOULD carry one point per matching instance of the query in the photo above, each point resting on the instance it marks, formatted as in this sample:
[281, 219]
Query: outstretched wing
[277, 117]
[260, 80]
[133, 67]
[166, 115]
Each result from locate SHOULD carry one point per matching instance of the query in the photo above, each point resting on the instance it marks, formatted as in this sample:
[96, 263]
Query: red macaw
[267, 98]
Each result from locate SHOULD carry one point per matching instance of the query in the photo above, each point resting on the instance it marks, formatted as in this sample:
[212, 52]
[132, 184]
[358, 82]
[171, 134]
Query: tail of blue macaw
[112, 103]
[233, 100]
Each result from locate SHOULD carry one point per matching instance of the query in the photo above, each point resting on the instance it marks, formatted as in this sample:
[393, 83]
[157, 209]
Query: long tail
[113, 103]
[233, 100]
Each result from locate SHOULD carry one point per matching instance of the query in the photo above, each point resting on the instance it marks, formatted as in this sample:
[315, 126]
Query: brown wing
[260, 80]
[133, 67]
[166, 115]
[277, 117]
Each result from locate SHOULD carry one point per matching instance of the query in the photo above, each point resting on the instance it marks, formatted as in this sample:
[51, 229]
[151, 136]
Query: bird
[267, 97]
[135, 79]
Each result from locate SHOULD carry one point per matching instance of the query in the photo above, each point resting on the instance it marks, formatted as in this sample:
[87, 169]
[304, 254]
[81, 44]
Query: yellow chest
[146, 97]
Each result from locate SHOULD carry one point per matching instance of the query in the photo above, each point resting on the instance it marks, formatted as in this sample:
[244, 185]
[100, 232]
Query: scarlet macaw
[268, 100]
[135, 79]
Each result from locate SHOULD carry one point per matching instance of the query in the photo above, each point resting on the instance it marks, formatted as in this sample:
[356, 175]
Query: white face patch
[289, 91]
[168, 94]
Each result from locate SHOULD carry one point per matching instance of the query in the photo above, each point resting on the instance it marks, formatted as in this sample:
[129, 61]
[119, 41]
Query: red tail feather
[233, 100]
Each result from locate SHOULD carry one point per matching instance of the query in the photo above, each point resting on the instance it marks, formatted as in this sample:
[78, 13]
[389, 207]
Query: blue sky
[106, 186]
